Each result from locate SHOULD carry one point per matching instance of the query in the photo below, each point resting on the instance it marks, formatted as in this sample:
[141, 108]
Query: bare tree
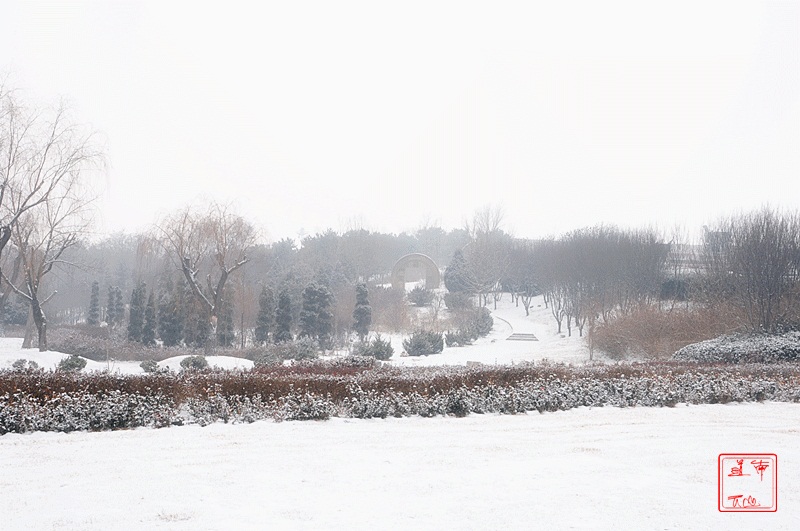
[41, 236]
[754, 258]
[211, 243]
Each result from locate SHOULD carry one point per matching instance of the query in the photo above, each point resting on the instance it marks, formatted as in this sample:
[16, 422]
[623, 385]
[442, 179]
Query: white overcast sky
[309, 115]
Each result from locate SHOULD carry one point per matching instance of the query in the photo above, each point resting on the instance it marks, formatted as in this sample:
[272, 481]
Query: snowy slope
[607, 468]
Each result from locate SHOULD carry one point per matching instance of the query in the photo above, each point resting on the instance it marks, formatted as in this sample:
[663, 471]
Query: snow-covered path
[607, 468]
[495, 349]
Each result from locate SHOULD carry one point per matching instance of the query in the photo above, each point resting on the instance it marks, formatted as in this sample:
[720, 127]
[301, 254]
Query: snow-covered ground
[605, 468]
[11, 351]
[496, 349]
[602, 468]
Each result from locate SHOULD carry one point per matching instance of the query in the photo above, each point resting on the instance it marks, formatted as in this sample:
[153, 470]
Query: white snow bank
[219, 362]
[606, 468]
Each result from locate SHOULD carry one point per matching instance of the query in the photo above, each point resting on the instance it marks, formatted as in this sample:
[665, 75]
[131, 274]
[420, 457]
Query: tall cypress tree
[457, 275]
[93, 318]
[170, 316]
[362, 314]
[266, 316]
[316, 318]
[136, 313]
[111, 307]
[283, 317]
[149, 324]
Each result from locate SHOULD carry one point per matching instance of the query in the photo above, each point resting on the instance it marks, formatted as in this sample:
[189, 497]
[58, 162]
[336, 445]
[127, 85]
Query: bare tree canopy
[210, 242]
[44, 200]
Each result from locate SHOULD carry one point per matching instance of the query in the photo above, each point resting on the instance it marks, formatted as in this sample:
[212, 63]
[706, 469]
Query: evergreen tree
[93, 319]
[225, 334]
[170, 316]
[136, 313]
[119, 306]
[316, 318]
[111, 307]
[457, 275]
[363, 311]
[149, 324]
[266, 315]
[283, 317]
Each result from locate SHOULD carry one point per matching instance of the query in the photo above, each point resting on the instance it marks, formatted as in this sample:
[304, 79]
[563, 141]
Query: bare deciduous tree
[208, 246]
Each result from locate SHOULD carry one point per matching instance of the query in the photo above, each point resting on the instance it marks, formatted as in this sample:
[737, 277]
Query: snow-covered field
[607, 468]
[602, 468]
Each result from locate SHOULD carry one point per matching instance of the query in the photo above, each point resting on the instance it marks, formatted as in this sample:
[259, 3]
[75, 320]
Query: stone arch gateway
[413, 267]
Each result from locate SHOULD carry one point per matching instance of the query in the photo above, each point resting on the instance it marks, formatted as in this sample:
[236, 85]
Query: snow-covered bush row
[743, 348]
[68, 412]
[57, 401]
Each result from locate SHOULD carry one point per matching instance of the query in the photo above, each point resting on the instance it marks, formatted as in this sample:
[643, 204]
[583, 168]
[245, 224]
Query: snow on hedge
[743, 348]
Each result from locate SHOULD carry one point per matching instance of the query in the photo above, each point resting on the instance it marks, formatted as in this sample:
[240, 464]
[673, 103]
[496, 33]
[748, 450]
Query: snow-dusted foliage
[743, 348]
[363, 388]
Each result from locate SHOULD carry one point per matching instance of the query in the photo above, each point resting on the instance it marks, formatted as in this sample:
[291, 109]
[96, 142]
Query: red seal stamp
[747, 482]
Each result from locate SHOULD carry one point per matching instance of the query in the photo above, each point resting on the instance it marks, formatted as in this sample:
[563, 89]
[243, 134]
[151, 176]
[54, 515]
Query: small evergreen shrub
[420, 296]
[194, 363]
[22, 364]
[149, 366]
[423, 342]
[72, 363]
[378, 348]
[458, 301]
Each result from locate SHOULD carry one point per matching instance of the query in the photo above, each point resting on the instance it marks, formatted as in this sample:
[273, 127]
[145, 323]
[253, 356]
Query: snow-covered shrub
[459, 300]
[194, 363]
[72, 363]
[149, 366]
[423, 342]
[303, 348]
[22, 364]
[470, 325]
[743, 348]
[420, 296]
[378, 348]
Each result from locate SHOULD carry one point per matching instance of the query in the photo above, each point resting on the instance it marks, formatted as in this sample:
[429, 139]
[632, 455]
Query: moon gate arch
[414, 267]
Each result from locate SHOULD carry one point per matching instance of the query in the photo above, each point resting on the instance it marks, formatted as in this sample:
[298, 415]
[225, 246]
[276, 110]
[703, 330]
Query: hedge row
[36, 400]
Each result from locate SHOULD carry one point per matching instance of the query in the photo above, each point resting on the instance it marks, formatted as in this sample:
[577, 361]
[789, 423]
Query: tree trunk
[41, 323]
[27, 342]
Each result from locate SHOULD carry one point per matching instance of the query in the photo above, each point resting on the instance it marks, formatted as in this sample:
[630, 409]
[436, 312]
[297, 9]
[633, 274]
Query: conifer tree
[111, 307]
[457, 275]
[362, 314]
[170, 316]
[149, 324]
[119, 306]
[316, 318]
[136, 313]
[93, 318]
[266, 316]
[283, 317]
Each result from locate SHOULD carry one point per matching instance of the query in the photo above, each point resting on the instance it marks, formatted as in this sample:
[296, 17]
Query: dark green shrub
[458, 301]
[149, 366]
[420, 296]
[72, 363]
[194, 363]
[423, 342]
[378, 348]
[22, 364]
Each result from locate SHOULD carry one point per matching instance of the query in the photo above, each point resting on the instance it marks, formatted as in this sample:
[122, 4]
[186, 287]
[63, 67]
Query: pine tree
[362, 314]
[111, 307]
[316, 318]
[149, 324]
[119, 306]
[283, 317]
[457, 275]
[93, 318]
[170, 316]
[266, 316]
[136, 313]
